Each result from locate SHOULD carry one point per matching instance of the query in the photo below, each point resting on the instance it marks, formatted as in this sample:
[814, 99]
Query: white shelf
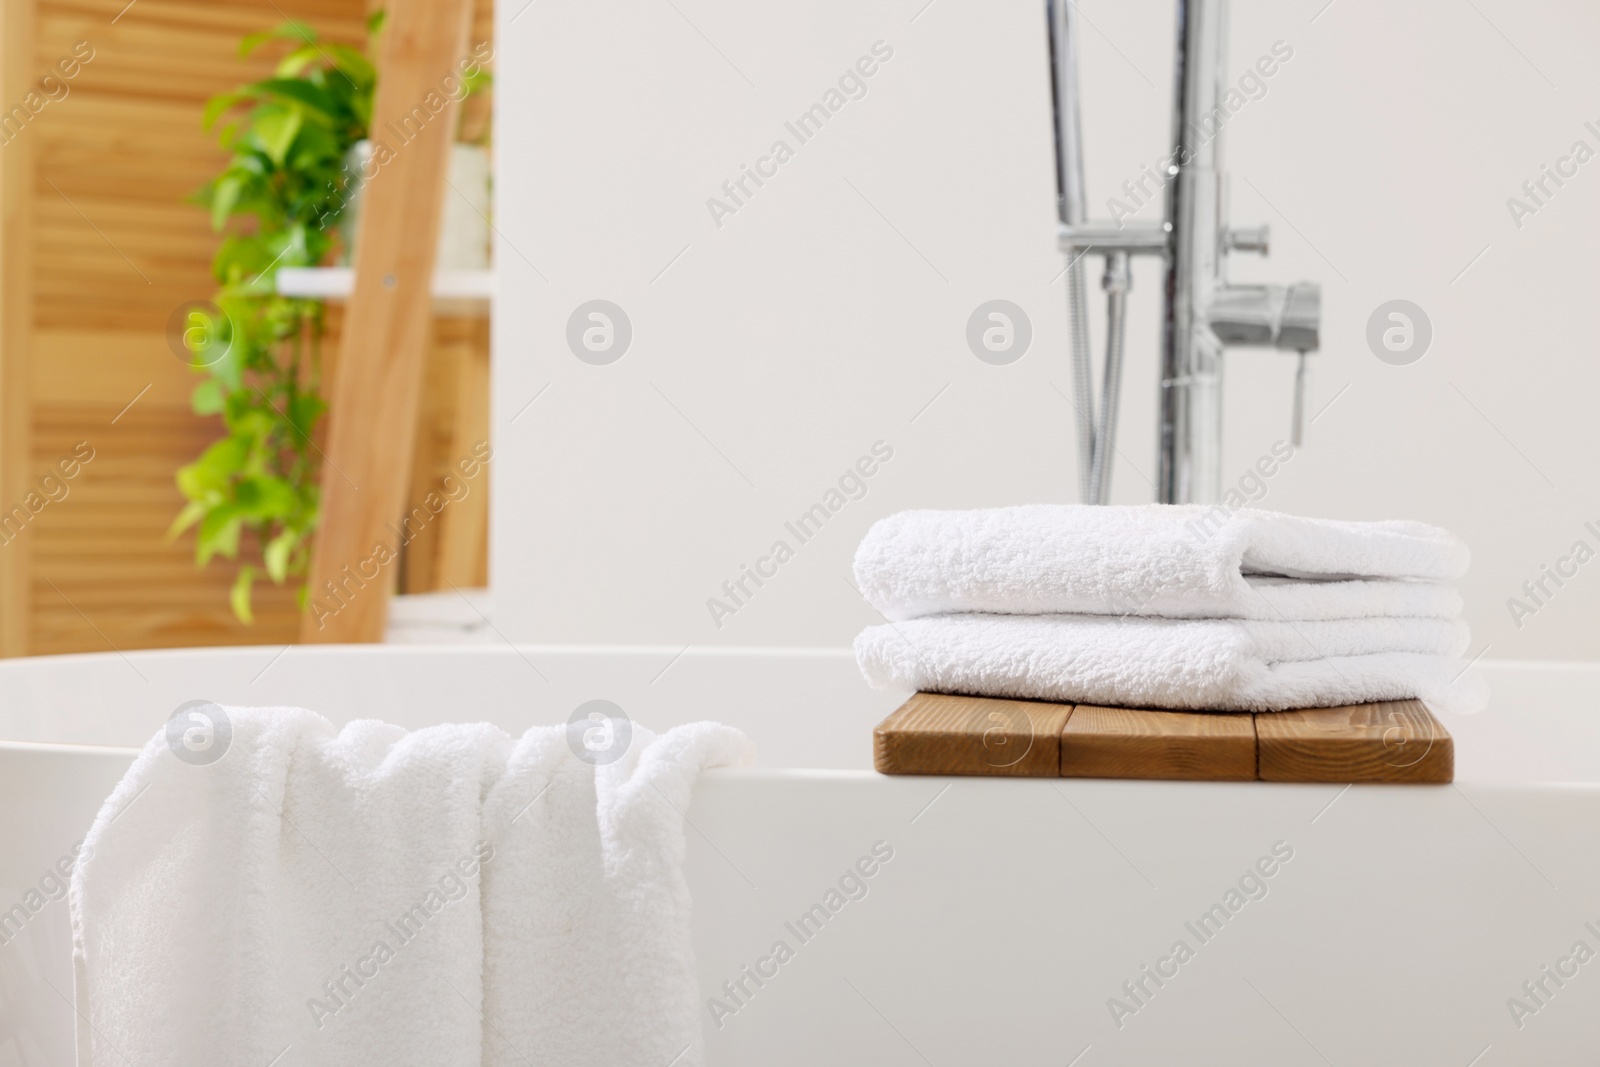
[335, 283]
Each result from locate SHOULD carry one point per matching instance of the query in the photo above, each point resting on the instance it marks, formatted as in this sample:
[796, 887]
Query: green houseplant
[254, 493]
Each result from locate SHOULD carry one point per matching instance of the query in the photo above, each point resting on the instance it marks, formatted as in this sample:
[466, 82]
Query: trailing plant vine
[254, 494]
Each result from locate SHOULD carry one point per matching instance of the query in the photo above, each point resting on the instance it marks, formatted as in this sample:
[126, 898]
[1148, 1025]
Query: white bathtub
[1011, 911]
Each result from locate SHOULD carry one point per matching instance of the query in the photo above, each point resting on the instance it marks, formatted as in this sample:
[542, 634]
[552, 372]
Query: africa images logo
[199, 732]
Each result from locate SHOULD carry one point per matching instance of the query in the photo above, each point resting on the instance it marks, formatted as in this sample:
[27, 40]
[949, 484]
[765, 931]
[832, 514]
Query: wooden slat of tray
[935, 734]
[1122, 743]
[1397, 741]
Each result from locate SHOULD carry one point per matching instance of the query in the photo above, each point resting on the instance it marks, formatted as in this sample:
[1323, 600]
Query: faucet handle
[1248, 238]
[1285, 317]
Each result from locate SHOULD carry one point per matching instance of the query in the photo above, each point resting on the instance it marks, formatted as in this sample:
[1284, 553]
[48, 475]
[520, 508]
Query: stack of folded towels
[1164, 606]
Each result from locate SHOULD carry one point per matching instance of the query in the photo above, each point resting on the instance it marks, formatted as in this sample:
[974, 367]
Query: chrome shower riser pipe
[1070, 200]
[1191, 356]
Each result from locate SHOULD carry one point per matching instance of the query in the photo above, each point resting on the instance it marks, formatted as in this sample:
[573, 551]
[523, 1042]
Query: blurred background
[104, 244]
[812, 318]
[772, 347]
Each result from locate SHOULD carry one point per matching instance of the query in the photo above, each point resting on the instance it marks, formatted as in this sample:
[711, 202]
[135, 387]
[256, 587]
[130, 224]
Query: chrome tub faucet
[1202, 312]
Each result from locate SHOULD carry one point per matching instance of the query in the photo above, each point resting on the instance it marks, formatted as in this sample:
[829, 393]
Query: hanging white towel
[586, 910]
[321, 896]
[1173, 561]
[1180, 664]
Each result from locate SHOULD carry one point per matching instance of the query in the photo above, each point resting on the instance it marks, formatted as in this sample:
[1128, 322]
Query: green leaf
[277, 553]
[293, 64]
[206, 337]
[213, 472]
[207, 398]
[276, 129]
[301, 92]
[317, 148]
[239, 596]
[304, 411]
[265, 498]
[361, 106]
[224, 196]
[255, 425]
[353, 65]
[252, 163]
[192, 513]
[192, 485]
[219, 535]
[235, 258]
[290, 30]
[217, 105]
[229, 370]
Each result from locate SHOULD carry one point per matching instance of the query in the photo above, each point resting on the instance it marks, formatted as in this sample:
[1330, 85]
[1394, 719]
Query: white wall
[771, 352]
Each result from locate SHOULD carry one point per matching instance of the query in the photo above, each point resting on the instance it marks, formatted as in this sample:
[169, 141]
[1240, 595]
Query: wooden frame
[378, 381]
[16, 325]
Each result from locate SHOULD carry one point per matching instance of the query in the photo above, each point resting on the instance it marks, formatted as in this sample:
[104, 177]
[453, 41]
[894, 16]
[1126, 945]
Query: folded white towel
[1173, 561]
[326, 893]
[1184, 664]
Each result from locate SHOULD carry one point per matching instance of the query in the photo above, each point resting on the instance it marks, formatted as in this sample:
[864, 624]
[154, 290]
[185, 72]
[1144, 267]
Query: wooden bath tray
[1396, 741]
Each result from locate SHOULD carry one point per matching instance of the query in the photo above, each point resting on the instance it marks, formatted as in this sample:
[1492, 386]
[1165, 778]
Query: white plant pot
[464, 226]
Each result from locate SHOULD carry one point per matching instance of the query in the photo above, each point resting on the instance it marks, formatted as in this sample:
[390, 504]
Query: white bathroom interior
[803, 340]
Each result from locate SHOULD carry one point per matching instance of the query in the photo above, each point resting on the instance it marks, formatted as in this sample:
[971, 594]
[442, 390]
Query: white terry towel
[1173, 561]
[1181, 664]
[320, 897]
[587, 959]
